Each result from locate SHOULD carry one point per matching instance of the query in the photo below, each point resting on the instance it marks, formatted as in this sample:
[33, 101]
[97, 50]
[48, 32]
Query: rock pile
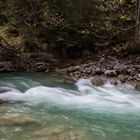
[123, 69]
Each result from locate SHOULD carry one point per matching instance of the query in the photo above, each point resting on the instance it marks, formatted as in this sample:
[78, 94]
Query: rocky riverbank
[118, 69]
[126, 69]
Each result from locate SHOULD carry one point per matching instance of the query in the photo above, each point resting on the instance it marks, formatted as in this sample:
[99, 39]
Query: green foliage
[64, 24]
[25, 12]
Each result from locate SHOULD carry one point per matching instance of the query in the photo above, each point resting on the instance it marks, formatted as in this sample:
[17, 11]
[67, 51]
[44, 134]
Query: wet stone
[17, 120]
[97, 81]
[114, 82]
[110, 73]
[122, 78]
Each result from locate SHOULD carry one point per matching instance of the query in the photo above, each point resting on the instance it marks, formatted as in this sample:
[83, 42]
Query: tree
[137, 34]
[72, 24]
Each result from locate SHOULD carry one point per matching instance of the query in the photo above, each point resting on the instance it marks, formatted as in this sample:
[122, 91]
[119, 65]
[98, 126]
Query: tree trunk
[137, 34]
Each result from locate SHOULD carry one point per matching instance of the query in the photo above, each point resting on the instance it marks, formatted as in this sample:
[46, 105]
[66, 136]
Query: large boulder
[4, 90]
[97, 81]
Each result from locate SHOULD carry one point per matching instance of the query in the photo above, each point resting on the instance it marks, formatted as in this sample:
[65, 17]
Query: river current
[39, 107]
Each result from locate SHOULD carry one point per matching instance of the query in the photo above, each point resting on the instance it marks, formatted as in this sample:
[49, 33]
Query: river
[38, 106]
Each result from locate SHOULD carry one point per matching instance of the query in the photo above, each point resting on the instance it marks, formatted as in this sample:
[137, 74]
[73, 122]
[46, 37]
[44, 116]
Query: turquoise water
[40, 107]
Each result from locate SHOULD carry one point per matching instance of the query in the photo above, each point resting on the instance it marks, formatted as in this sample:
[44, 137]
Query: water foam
[86, 95]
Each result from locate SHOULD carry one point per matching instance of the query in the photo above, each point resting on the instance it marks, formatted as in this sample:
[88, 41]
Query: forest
[53, 36]
[70, 69]
[68, 28]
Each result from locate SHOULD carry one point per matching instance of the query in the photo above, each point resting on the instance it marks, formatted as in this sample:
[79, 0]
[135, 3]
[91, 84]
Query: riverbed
[37, 106]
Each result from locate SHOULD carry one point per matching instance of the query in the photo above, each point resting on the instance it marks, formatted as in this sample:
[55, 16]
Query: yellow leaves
[123, 17]
[121, 2]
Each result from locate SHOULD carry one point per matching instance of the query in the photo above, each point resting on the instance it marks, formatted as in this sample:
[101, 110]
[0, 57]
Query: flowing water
[39, 107]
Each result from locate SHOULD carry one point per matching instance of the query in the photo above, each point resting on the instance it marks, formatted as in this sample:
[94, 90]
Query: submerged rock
[49, 131]
[58, 133]
[5, 89]
[66, 80]
[17, 120]
[64, 136]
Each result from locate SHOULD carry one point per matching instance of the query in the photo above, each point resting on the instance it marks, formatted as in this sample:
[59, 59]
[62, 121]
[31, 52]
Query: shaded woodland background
[68, 28]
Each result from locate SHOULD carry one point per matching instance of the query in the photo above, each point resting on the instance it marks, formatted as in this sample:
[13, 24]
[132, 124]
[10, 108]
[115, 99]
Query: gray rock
[98, 70]
[114, 82]
[110, 73]
[130, 78]
[122, 78]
